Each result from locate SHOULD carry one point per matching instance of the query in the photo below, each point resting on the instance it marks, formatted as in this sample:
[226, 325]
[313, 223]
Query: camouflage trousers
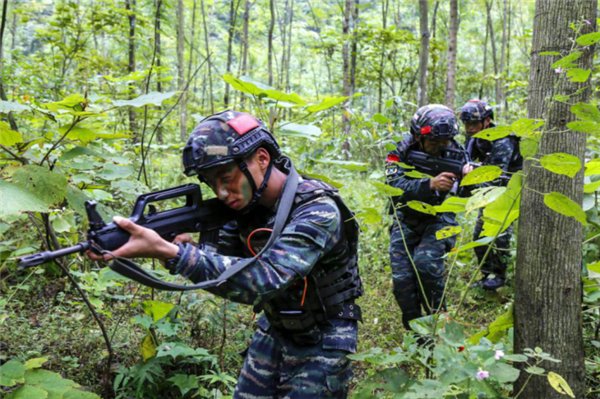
[276, 367]
[498, 257]
[426, 251]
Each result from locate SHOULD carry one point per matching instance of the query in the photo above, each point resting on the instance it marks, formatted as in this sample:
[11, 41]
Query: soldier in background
[477, 115]
[419, 284]
[305, 281]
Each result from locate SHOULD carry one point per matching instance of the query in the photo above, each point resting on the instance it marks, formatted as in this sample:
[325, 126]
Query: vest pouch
[295, 321]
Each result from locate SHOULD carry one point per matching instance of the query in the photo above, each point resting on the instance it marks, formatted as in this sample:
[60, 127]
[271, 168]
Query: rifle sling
[133, 271]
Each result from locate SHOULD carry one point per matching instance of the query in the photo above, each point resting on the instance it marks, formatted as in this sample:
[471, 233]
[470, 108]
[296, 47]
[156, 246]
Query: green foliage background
[66, 136]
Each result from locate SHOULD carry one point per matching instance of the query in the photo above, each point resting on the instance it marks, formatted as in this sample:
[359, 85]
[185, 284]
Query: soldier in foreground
[305, 279]
[477, 115]
[416, 254]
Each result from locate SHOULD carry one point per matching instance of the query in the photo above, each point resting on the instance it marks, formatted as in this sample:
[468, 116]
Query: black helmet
[476, 110]
[225, 137]
[229, 136]
[434, 121]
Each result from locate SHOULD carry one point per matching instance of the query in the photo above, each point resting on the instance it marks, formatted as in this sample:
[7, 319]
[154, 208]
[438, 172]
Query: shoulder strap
[131, 270]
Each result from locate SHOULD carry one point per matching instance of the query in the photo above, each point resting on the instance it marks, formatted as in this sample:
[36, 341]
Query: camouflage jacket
[313, 236]
[415, 188]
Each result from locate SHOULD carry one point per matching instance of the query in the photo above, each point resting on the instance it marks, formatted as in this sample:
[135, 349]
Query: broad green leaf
[12, 373]
[77, 152]
[565, 206]
[559, 384]
[11, 106]
[588, 127]
[588, 39]
[386, 189]
[586, 112]
[184, 382]
[281, 96]
[535, 370]
[547, 53]
[496, 330]
[500, 214]
[157, 309]
[483, 197]
[48, 186]
[481, 174]
[447, 231]
[381, 119]
[578, 75]
[76, 199]
[63, 222]
[592, 167]
[568, 61]
[591, 187]
[178, 349]
[473, 244]
[80, 133]
[240, 85]
[79, 394]
[503, 373]
[415, 174]
[35, 363]
[72, 103]
[422, 207]
[594, 267]
[327, 103]
[111, 171]
[526, 127]
[561, 163]
[8, 136]
[528, 147]
[152, 98]
[323, 178]
[310, 132]
[494, 133]
[28, 392]
[369, 215]
[15, 199]
[452, 204]
[349, 165]
[148, 347]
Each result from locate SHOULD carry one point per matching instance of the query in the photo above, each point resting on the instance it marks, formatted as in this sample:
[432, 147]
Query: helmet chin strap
[256, 192]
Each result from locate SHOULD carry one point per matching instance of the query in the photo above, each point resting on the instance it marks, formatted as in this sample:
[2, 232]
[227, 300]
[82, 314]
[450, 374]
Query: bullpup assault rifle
[194, 216]
[433, 165]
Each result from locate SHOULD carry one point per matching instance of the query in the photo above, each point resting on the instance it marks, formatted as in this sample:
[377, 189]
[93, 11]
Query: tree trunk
[434, 79]
[492, 37]
[233, 7]
[208, 59]
[130, 7]
[288, 56]
[451, 73]
[385, 6]
[503, 50]
[346, 27]
[548, 288]
[423, 53]
[485, 59]
[270, 41]
[157, 43]
[11, 119]
[244, 46]
[181, 67]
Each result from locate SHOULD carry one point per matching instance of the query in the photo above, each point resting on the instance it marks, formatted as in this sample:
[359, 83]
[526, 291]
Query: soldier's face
[435, 147]
[230, 185]
[474, 127]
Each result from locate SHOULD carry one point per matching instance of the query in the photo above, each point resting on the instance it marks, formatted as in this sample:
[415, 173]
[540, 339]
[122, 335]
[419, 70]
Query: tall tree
[233, 7]
[11, 119]
[181, 66]
[157, 43]
[490, 24]
[451, 71]
[385, 6]
[130, 7]
[208, 58]
[548, 270]
[423, 52]
[270, 41]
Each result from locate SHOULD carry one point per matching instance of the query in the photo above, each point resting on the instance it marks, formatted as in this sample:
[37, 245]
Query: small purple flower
[587, 21]
[499, 354]
[559, 70]
[482, 375]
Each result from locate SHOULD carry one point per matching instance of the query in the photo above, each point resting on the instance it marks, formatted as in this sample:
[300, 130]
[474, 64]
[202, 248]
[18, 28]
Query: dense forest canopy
[98, 97]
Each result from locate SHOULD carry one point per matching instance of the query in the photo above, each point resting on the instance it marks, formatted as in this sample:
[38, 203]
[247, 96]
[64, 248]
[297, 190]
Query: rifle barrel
[46, 256]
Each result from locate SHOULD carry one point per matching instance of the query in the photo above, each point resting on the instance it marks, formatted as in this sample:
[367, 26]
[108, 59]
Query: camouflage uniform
[412, 234]
[290, 356]
[505, 154]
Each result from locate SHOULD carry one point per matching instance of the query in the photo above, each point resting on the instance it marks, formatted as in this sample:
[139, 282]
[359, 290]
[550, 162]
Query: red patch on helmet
[392, 158]
[243, 123]
[426, 130]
